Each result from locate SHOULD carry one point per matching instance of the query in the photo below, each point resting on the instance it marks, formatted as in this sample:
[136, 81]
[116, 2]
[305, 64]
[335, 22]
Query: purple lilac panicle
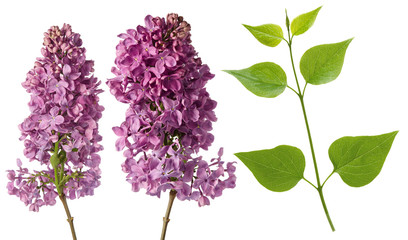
[64, 110]
[170, 115]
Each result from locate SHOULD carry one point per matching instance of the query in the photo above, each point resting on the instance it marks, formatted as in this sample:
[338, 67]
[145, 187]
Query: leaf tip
[348, 41]
[317, 10]
[395, 132]
[228, 71]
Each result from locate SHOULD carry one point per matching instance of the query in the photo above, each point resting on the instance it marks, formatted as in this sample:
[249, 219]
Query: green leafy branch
[358, 160]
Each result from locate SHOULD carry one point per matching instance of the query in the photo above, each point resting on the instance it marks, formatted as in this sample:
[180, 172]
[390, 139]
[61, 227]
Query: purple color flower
[51, 120]
[170, 112]
[64, 114]
[165, 60]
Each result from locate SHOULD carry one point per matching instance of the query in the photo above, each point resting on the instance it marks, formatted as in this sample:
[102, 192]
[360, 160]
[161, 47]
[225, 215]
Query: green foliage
[358, 160]
[74, 175]
[303, 22]
[268, 34]
[322, 64]
[265, 79]
[278, 169]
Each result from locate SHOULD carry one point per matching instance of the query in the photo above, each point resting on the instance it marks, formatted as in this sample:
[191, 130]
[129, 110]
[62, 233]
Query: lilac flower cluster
[63, 121]
[170, 115]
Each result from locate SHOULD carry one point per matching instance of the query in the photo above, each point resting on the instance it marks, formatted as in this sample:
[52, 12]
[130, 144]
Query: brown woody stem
[166, 218]
[70, 219]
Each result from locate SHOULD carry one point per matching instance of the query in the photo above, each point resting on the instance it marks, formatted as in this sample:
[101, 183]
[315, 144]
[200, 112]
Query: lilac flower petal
[127, 61]
[220, 152]
[74, 76]
[58, 120]
[44, 124]
[19, 163]
[66, 70]
[63, 84]
[160, 66]
[119, 131]
[203, 200]
[170, 61]
[120, 144]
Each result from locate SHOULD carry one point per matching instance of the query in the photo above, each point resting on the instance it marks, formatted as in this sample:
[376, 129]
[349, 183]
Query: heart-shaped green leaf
[268, 34]
[265, 79]
[358, 160]
[303, 22]
[278, 169]
[322, 64]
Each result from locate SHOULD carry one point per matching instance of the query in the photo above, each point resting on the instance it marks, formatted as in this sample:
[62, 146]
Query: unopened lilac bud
[172, 18]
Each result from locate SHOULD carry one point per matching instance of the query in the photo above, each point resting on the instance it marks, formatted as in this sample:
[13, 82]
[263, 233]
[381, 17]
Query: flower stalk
[70, 219]
[166, 218]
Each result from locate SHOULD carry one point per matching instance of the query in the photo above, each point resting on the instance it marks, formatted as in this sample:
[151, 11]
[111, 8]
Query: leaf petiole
[304, 89]
[327, 178]
[309, 182]
[293, 90]
[284, 39]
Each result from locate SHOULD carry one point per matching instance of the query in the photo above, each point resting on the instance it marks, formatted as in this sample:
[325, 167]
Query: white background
[369, 98]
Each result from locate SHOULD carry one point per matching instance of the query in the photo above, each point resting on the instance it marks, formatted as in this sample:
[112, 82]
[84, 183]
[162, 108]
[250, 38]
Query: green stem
[319, 186]
[56, 177]
[166, 219]
[70, 219]
[293, 66]
[300, 95]
[310, 141]
[320, 190]
[62, 170]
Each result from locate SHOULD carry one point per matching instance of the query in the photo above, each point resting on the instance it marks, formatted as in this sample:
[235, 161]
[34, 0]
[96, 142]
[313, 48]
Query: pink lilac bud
[170, 115]
[64, 107]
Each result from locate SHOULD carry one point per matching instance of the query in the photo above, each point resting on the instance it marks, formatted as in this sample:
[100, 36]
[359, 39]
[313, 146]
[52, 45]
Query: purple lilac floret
[64, 112]
[170, 113]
